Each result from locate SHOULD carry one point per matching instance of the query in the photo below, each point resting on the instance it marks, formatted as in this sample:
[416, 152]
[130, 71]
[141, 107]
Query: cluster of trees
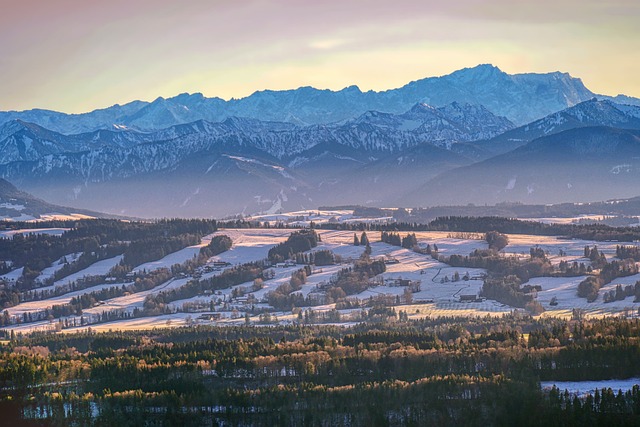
[38, 251]
[409, 241]
[299, 241]
[615, 269]
[218, 244]
[371, 212]
[391, 238]
[5, 267]
[573, 269]
[609, 271]
[597, 258]
[428, 250]
[285, 296]
[312, 317]
[114, 230]
[507, 290]
[619, 294]
[319, 258]
[354, 280]
[626, 252]
[589, 288]
[430, 372]
[499, 265]
[363, 240]
[93, 253]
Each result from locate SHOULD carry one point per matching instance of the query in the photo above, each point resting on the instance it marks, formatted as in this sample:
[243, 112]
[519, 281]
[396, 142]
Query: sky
[78, 55]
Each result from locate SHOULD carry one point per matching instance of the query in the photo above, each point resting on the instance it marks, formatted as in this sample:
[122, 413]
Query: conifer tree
[364, 239]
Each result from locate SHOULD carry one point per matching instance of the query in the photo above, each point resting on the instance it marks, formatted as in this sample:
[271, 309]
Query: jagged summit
[478, 73]
[421, 107]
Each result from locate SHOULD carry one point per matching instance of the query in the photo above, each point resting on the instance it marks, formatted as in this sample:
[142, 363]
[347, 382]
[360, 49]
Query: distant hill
[582, 164]
[21, 206]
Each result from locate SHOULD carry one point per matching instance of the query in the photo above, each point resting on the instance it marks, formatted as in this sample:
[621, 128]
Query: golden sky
[78, 55]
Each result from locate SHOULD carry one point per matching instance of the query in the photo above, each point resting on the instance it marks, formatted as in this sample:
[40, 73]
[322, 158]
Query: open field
[438, 294]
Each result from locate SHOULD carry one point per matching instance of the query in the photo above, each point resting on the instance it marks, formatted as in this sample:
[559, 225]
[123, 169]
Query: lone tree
[408, 296]
[497, 241]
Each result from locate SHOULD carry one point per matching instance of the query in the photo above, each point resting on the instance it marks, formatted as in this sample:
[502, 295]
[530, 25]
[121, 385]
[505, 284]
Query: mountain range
[521, 98]
[304, 148]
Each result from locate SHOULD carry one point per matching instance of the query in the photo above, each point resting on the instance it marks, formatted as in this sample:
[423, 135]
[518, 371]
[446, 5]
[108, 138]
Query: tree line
[476, 371]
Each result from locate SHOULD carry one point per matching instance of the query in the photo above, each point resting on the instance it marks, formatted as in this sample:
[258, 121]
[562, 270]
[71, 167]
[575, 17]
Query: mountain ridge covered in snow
[521, 98]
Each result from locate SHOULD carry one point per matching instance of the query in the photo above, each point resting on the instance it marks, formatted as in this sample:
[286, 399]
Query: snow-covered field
[582, 388]
[130, 302]
[174, 258]
[51, 231]
[13, 275]
[521, 243]
[565, 220]
[439, 293]
[251, 244]
[48, 272]
[37, 306]
[44, 217]
[96, 269]
[304, 218]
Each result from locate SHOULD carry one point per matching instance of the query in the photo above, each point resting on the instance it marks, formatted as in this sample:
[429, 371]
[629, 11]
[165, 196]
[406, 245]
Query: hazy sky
[77, 55]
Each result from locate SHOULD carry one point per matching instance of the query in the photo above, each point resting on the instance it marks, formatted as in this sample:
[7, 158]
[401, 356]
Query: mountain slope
[379, 182]
[106, 155]
[583, 164]
[221, 181]
[218, 169]
[211, 183]
[21, 206]
[588, 113]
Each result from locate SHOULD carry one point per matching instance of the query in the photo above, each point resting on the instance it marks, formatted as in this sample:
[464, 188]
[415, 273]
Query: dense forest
[446, 371]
